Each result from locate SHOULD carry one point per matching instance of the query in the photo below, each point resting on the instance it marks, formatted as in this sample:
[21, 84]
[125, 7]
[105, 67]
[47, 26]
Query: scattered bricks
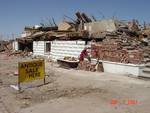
[124, 52]
[88, 66]
[123, 47]
[136, 55]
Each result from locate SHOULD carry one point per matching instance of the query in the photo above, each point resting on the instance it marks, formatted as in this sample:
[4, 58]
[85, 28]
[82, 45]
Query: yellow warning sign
[32, 70]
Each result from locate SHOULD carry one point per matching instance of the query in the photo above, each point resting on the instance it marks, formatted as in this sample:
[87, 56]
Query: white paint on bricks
[59, 49]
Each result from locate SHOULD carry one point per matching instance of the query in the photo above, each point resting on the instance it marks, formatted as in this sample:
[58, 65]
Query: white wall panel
[59, 49]
[38, 48]
[15, 45]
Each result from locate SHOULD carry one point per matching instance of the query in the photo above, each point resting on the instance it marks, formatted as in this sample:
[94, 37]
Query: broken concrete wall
[122, 68]
[64, 26]
[100, 26]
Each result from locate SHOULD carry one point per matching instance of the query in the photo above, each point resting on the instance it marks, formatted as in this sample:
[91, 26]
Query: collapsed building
[66, 39]
[118, 44]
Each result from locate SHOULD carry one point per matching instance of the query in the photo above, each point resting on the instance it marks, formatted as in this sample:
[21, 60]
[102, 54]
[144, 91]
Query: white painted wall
[121, 68]
[15, 45]
[59, 49]
[38, 48]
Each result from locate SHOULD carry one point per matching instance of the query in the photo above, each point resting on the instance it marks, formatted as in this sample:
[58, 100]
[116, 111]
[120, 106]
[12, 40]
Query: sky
[16, 14]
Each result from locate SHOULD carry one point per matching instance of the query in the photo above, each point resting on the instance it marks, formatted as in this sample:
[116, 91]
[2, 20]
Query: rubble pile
[115, 40]
[20, 53]
[70, 58]
[5, 46]
[88, 66]
[72, 29]
[123, 49]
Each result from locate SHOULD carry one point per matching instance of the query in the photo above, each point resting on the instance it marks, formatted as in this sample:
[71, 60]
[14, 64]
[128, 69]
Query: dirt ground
[71, 91]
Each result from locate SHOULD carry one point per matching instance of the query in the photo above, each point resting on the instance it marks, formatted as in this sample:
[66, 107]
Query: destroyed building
[115, 41]
[66, 39]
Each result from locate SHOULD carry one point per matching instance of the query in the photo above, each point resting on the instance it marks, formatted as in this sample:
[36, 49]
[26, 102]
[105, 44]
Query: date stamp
[126, 102]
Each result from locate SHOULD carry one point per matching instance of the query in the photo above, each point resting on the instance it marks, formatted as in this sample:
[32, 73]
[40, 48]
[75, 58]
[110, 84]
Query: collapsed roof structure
[128, 34]
[112, 40]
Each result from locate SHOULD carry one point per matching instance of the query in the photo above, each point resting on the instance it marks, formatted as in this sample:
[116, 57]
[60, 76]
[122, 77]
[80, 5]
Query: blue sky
[15, 14]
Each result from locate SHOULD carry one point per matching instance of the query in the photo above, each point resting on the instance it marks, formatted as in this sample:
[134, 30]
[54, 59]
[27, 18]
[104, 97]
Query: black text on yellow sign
[32, 70]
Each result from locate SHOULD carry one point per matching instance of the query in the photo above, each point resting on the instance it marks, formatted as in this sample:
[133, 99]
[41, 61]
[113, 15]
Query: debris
[65, 26]
[5, 46]
[16, 73]
[123, 49]
[69, 63]
[15, 87]
[116, 40]
[20, 53]
[70, 58]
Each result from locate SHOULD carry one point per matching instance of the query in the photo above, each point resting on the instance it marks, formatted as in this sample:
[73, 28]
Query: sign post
[31, 70]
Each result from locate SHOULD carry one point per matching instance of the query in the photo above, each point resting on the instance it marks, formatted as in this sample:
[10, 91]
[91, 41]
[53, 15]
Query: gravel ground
[71, 91]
